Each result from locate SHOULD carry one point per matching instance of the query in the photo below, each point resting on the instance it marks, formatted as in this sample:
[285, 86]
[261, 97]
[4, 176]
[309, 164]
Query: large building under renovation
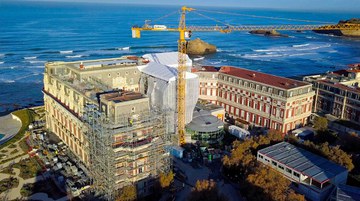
[257, 98]
[117, 116]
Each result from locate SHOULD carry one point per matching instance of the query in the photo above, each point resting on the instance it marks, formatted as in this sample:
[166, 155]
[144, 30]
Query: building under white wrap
[170, 59]
[159, 83]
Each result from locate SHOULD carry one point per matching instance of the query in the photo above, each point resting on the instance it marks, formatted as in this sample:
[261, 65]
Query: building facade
[337, 93]
[261, 99]
[96, 109]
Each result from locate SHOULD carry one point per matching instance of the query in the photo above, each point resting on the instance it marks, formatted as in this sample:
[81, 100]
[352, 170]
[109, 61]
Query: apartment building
[311, 175]
[257, 98]
[96, 109]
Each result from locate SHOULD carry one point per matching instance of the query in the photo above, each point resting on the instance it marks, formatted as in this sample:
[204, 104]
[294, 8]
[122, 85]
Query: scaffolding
[132, 149]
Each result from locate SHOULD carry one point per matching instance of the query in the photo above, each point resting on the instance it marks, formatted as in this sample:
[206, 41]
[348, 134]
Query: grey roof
[305, 162]
[203, 121]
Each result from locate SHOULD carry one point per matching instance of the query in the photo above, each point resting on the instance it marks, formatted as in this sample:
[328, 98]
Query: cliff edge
[199, 47]
[343, 32]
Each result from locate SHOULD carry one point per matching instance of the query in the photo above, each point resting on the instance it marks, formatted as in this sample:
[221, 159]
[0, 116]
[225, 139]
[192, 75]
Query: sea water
[32, 33]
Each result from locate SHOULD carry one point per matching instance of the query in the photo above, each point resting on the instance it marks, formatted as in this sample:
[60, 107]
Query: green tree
[166, 179]
[320, 124]
[128, 193]
[206, 190]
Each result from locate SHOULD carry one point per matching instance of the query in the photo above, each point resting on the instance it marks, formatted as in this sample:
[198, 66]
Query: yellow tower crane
[185, 32]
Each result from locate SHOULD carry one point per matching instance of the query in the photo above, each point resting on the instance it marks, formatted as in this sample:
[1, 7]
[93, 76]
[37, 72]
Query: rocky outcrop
[343, 32]
[199, 47]
[273, 33]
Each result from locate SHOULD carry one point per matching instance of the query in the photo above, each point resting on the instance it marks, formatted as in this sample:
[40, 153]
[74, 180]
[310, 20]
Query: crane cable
[165, 16]
[205, 16]
[266, 17]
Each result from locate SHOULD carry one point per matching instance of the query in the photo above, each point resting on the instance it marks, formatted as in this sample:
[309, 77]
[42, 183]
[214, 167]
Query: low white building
[312, 175]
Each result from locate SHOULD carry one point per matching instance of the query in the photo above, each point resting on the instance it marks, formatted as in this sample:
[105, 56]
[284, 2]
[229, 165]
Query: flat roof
[305, 162]
[272, 80]
[122, 96]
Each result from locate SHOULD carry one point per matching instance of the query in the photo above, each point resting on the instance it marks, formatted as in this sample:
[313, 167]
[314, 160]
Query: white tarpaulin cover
[161, 87]
[168, 59]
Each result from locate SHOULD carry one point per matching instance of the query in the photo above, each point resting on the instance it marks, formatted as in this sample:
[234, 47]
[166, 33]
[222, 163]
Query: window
[133, 109]
[260, 156]
[135, 72]
[296, 174]
[140, 170]
[281, 167]
[288, 170]
[109, 75]
[274, 163]
[118, 74]
[126, 73]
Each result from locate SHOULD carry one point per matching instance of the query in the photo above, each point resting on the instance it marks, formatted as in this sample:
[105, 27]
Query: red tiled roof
[272, 80]
[205, 69]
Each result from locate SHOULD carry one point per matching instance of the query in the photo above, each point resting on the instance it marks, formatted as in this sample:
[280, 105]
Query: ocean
[32, 33]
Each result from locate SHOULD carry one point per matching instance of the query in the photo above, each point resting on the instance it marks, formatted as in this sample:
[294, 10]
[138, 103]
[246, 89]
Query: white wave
[250, 56]
[1, 62]
[198, 58]
[36, 62]
[7, 81]
[300, 54]
[28, 58]
[215, 62]
[1, 55]
[36, 67]
[302, 45]
[75, 56]
[222, 50]
[333, 51]
[65, 51]
[124, 48]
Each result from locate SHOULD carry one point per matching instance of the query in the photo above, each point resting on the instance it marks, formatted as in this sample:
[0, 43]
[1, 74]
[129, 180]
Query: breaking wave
[75, 56]
[28, 58]
[65, 51]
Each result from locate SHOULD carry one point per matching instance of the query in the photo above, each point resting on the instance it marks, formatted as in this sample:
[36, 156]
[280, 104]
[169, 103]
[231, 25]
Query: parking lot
[68, 173]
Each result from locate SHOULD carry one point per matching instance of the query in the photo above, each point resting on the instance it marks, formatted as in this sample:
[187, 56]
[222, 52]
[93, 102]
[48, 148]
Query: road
[198, 173]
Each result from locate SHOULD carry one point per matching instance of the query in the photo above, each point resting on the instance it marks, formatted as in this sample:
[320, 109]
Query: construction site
[121, 116]
[118, 117]
[130, 150]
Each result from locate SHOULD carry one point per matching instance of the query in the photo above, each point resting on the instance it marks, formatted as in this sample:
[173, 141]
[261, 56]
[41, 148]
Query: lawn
[29, 168]
[46, 186]
[26, 116]
[8, 183]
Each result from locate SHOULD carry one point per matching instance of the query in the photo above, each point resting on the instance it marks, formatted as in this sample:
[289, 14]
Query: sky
[340, 5]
